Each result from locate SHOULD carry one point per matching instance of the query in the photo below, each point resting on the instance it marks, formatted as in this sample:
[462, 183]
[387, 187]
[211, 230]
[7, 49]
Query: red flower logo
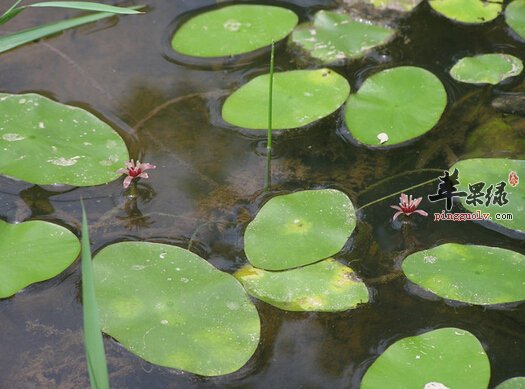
[513, 179]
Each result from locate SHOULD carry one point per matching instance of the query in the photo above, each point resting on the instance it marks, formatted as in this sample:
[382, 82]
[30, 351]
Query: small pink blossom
[407, 206]
[134, 171]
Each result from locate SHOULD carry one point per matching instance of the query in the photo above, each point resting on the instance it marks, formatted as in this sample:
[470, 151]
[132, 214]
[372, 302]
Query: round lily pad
[468, 11]
[401, 103]
[515, 17]
[33, 251]
[468, 273]
[512, 383]
[397, 5]
[324, 286]
[489, 174]
[300, 97]
[174, 309]
[334, 36]
[232, 30]
[44, 142]
[299, 228]
[486, 68]
[444, 358]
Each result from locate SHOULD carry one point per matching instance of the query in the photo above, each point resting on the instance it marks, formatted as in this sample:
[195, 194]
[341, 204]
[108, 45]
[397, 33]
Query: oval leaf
[33, 251]
[232, 30]
[515, 17]
[325, 286]
[486, 68]
[402, 103]
[300, 97]
[512, 383]
[334, 36]
[174, 309]
[299, 228]
[451, 357]
[471, 274]
[468, 11]
[493, 172]
[45, 142]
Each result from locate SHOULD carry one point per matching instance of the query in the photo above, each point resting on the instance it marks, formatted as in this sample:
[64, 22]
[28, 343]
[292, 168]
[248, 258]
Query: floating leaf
[174, 309]
[512, 383]
[299, 228]
[471, 274]
[403, 103]
[33, 251]
[486, 68]
[300, 97]
[493, 171]
[324, 286]
[333, 36]
[232, 30]
[45, 142]
[451, 357]
[398, 5]
[468, 11]
[515, 17]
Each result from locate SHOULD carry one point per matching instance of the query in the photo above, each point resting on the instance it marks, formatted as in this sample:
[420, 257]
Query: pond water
[209, 184]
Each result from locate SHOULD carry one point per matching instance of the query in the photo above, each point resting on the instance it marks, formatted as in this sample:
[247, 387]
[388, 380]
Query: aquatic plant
[407, 206]
[134, 171]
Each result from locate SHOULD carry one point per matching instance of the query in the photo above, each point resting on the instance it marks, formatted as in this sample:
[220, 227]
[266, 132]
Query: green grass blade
[11, 12]
[94, 345]
[86, 6]
[16, 39]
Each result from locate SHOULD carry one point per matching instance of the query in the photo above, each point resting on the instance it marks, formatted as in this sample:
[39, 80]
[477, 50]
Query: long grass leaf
[11, 12]
[94, 345]
[85, 6]
[8, 42]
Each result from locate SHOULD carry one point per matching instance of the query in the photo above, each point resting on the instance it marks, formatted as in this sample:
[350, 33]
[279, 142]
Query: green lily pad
[486, 68]
[333, 36]
[512, 383]
[468, 11]
[174, 309]
[493, 171]
[397, 5]
[44, 142]
[300, 97]
[232, 30]
[324, 286]
[33, 251]
[299, 228]
[472, 274]
[515, 17]
[395, 105]
[451, 357]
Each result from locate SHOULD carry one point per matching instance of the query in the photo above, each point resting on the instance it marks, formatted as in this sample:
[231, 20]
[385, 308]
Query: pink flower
[135, 171]
[407, 206]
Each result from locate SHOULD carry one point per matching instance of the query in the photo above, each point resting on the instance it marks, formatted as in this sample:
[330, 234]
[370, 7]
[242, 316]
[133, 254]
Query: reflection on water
[209, 184]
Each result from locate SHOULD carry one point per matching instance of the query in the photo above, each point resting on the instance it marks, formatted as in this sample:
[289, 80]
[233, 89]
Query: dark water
[208, 186]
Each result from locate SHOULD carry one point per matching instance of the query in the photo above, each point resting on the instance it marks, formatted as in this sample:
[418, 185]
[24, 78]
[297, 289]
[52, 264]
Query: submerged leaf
[444, 358]
[333, 36]
[233, 30]
[45, 142]
[486, 68]
[299, 228]
[512, 383]
[300, 97]
[467, 273]
[172, 308]
[325, 286]
[33, 251]
[468, 11]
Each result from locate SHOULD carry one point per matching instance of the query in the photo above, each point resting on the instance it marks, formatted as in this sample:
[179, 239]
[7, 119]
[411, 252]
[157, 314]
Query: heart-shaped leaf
[444, 358]
[174, 309]
[33, 251]
[472, 274]
[486, 68]
[333, 36]
[45, 142]
[468, 11]
[324, 286]
[299, 228]
[232, 30]
[300, 97]
[401, 103]
[515, 17]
